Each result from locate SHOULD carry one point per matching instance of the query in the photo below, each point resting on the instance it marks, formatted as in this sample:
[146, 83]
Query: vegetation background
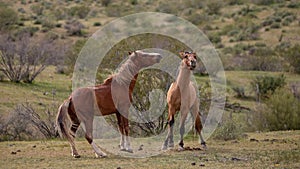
[257, 40]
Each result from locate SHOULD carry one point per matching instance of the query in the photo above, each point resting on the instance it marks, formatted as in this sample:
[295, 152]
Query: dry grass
[264, 150]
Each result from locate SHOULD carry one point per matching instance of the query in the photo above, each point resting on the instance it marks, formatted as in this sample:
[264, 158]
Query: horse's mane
[125, 73]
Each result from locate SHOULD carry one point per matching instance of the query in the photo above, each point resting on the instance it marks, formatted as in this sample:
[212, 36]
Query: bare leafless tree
[25, 123]
[24, 58]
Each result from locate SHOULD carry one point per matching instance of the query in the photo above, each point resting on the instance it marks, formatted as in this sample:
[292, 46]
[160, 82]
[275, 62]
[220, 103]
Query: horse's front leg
[121, 130]
[126, 129]
[169, 142]
[184, 113]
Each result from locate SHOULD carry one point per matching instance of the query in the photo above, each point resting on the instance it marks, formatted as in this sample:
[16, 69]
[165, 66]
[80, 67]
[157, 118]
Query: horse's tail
[61, 119]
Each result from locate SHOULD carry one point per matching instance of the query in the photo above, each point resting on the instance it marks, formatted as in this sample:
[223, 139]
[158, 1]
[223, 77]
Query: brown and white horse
[114, 96]
[182, 97]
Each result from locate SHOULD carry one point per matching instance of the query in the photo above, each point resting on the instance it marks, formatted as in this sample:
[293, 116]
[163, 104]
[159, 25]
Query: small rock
[141, 147]
[193, 163]
[13, 152]
[34, 146]
[118, 167]
[202, 165]
[18, 151]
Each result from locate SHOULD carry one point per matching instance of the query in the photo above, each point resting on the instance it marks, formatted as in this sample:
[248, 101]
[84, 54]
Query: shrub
[97, 24]
[263, 59]
[266, 85]
[239, 91]
[105, 2]
[292, 55]
[167, 7]
[214, 37]
[197, 19]
[74, 28]
[24, 123]
[8, 17]
[293, 4]
[282, 111]
[275, 26]
[214, 7]
[37, 9]
[72, 55]
[80, 11]
[228, 130]
[266, 2]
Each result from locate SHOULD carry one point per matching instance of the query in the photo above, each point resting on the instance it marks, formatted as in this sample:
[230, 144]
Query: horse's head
[144, 59]
[189, 59]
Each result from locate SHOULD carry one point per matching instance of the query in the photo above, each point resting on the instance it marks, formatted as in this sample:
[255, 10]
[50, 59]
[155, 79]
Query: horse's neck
[128, 74]
[183, 78]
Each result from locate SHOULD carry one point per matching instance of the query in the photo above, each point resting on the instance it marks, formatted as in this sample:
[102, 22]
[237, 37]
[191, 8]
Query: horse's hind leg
[169, 139]
[198, 123]
[183, 116]
[89, 137]
[73, 129]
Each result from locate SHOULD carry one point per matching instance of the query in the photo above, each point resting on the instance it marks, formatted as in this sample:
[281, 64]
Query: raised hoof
[76, 155]
[180, 148]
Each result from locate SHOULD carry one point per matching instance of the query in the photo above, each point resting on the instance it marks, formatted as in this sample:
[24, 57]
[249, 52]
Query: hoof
[100, 155]
[163, 147]
[76, 155]
[204, 147]
[129, 150]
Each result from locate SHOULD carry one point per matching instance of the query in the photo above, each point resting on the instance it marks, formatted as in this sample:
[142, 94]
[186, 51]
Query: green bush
[214, 38]
[266, 85]
[292, 55]
[239, 91]
[80, 11]
[197, 19]
[282, 111]
[266, 2]
[8, 17]
[228, 130]
[214, 7]
[275, 26]
[97, 24]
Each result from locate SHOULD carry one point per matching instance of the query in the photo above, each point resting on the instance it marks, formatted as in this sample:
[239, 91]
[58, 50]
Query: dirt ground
[258, 150]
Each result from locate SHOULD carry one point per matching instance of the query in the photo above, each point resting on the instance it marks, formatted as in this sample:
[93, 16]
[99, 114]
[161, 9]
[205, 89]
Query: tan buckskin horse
[114, 96]
[182, 97]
